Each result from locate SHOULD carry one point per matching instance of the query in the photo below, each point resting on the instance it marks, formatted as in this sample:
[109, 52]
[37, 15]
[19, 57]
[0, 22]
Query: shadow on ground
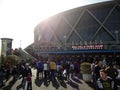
[38, 82]
[9, 86]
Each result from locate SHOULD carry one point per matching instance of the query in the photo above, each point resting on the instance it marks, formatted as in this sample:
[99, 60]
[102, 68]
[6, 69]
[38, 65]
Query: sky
[18, 18]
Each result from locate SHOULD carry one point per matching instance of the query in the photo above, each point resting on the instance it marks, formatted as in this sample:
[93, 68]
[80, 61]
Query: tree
[13, 59]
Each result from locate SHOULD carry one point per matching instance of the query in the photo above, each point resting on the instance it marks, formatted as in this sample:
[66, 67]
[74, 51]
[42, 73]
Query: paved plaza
[38, 84]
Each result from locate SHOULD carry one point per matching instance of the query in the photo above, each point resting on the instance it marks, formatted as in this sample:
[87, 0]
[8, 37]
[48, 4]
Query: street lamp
[101, 42]
[20, 43]
[65, 38]
[116, 34]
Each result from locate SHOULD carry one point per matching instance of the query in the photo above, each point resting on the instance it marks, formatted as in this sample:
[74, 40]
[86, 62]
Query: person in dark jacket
[105, 82]
[1, 76]
[96, 73]
[25, 72]
[112, 72]
[14, 74]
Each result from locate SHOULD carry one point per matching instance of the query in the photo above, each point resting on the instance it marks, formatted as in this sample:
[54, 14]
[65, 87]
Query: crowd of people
[21, 70]
[106, 75]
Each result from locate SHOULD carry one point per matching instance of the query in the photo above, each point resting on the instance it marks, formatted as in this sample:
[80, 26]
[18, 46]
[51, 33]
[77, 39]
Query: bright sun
[18, 18]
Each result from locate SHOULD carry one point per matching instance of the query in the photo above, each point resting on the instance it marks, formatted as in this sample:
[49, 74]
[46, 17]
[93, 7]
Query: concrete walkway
[37, 84]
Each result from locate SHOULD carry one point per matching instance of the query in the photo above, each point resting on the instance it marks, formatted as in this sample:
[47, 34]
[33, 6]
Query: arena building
[91, 29]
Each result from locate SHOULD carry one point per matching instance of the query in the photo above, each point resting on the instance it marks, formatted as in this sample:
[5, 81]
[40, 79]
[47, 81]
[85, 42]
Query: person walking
[46, 70]
[52, 69]
[25, 73]
[39, 69]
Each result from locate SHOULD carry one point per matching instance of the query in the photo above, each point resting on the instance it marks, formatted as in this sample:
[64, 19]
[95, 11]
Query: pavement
[74, 83]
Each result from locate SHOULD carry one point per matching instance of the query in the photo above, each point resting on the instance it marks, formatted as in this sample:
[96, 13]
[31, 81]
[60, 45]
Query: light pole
[116, 34]
[20, 43]
[65, 38]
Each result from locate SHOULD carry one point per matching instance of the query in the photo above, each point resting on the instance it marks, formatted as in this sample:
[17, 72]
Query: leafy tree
[13, 59]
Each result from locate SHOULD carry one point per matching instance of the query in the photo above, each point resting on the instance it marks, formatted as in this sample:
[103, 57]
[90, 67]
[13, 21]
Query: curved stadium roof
[88, 23]
[96, 22]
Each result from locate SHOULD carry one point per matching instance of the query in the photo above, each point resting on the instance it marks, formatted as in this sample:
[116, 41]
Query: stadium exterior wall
[91, 27]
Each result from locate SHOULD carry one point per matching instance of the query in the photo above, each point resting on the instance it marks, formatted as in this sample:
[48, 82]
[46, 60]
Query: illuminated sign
[87, 47]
